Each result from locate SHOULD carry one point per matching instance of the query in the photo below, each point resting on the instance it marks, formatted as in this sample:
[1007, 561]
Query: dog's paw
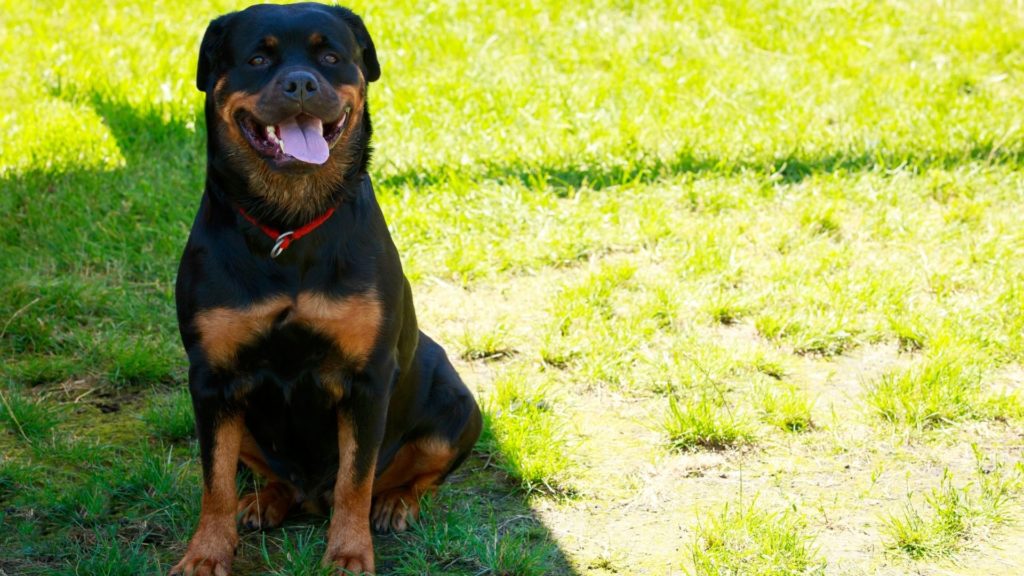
[196, 565]
[350, 559]
[394, 510]
[355, 564]
[266, 508]
[209, 553]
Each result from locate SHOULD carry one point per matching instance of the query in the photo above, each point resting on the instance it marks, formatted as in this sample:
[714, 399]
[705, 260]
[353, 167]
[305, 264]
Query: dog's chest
[349, 325]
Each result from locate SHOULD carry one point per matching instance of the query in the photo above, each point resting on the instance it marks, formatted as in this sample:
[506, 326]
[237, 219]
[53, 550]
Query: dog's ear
[371, 68]
[211, 51]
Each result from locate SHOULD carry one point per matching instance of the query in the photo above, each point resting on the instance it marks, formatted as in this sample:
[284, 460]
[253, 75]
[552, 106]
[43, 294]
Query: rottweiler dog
[305, 359]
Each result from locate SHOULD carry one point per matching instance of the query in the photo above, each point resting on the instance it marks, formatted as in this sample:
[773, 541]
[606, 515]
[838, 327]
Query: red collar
[282, 240]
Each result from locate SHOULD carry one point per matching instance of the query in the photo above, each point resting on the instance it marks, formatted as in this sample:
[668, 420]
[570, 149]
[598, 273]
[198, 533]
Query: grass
[704, 424]
[525, 435]
[30, 419]
[457, 540]
[170, 416]
[643, 233]
[938, 391]
[490, 344]
[954, 513]
[752, 541]
[788, 409]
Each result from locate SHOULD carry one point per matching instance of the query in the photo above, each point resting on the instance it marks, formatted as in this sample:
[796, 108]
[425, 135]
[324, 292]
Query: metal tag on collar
[279, 244]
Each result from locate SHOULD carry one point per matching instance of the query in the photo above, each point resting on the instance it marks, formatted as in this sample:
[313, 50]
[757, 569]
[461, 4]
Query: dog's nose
[299, 85]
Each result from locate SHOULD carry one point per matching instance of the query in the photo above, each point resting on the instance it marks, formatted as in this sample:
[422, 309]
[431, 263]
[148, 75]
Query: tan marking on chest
[223, 331]
[351, 323]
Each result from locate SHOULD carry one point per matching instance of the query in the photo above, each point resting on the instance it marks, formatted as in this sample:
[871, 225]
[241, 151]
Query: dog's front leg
[212, 547]
[361, 420]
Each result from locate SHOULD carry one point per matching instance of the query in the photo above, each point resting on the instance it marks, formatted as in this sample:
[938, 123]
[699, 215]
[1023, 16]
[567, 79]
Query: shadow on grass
[563, 178]
[89, 259]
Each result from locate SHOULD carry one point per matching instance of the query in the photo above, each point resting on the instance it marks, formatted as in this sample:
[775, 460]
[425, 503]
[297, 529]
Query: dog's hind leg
[445, 433]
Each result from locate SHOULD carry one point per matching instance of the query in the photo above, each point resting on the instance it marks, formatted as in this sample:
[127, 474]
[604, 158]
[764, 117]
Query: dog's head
[286, 100]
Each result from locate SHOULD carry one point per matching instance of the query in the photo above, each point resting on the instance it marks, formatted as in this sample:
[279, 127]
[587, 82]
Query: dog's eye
[258, 60]
[329, 58]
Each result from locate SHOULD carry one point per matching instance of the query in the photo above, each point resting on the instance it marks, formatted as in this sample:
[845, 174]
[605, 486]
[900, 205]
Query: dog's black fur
[309, 366]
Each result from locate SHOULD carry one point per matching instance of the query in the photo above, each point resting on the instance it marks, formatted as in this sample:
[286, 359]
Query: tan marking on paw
[349, 545]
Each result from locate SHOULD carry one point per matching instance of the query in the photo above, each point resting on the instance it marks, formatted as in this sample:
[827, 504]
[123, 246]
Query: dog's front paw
[197, 565]
[208, 555]
[350, 562]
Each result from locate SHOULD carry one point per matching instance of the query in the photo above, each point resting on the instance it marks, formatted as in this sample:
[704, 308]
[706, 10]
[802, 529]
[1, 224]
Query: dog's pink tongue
[303, 138]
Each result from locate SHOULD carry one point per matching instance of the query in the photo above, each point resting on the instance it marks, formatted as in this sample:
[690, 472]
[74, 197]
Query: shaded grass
[453, 539]
[31, 419]
[169, 416]
[96, 508]
[109, 554]
[301, 549]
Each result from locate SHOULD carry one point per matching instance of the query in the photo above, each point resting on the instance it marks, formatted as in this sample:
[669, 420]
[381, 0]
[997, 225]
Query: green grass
[460, 539]
[938, 391]
[525, 435]
[170, 416]
[31, 419]
[704, 423]
[788, 409]
[953, 513]
[302, 553]
[643, 232]
[751, 541]
[490, 344]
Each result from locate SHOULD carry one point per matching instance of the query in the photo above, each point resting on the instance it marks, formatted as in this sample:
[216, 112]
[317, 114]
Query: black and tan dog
[305, 359]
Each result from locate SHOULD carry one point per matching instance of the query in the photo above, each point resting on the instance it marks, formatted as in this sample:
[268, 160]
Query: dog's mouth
[303, 138]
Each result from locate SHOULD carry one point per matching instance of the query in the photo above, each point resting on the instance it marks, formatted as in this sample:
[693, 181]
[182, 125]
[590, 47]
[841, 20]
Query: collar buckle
[281, 243]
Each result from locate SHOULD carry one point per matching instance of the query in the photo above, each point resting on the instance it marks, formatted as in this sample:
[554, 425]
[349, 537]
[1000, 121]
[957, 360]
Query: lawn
[740, 285]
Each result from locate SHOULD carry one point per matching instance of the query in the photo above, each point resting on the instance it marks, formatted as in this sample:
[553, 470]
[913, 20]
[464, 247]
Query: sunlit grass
[748, 540]
[787, 407]
[526, 435]
[937, 391]
[952, 513]
[705, 423]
